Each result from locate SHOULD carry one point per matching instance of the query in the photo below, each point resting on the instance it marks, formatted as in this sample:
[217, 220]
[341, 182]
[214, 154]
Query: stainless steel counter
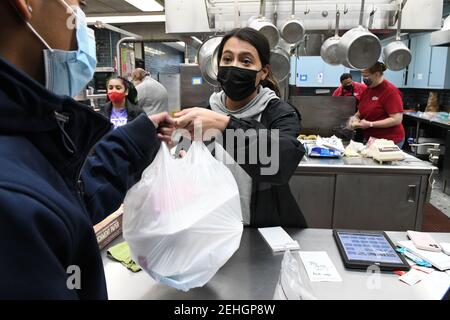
[360, 193]
[252, 273]
[365, 165]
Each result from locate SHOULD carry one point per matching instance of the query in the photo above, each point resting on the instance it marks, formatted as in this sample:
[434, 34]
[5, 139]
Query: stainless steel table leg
[417, 136]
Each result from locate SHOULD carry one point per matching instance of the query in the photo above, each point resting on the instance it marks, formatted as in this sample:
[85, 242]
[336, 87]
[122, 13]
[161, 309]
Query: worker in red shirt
[349, 88]
[380, 109]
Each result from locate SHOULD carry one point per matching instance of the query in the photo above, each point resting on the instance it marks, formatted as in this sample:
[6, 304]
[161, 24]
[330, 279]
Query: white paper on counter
[319, 266]
[412, 277]
[278, 239]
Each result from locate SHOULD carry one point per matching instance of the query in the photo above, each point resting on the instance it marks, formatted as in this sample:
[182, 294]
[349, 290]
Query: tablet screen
[368, 247]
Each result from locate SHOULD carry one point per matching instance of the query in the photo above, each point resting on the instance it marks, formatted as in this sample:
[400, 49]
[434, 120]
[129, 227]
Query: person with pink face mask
[122, 106]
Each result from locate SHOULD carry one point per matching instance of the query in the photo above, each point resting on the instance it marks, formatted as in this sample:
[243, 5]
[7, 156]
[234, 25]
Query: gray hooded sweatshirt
[254, 111]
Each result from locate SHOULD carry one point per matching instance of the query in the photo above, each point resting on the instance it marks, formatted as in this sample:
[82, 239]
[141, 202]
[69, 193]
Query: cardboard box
[109, 229]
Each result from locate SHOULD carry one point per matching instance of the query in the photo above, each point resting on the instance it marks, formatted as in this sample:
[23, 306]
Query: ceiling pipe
[101, 25]
[119, 56]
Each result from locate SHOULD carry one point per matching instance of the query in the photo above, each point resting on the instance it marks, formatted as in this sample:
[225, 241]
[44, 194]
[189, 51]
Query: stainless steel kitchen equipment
[431, 148]
[207, 59]
[280, 63]
[171, 81]
[324, 115]
[359, 47]
[101, 76]
[211, 16]
[396, 55]
[359, 193]
[329, 50]
[194, 92]
[265, 26]
[292, 31]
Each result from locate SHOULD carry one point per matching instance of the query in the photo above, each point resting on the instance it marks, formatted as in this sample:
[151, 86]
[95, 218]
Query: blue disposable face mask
[68, 72]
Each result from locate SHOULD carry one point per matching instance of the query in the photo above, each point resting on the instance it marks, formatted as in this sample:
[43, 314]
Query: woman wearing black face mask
[249, 105]
[381, 107]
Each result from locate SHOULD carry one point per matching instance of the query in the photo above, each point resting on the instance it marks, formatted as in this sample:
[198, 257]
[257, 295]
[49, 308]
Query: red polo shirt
[376, 104]
[358, 89]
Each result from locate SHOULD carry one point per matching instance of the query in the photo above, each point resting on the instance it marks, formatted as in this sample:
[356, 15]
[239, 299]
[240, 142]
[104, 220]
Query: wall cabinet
[430, 66]
[312, 71]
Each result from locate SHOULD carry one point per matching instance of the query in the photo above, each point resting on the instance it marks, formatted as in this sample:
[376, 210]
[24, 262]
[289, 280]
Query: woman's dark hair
[259, 41]
[345, 76]
[377, 67]
[132, 92]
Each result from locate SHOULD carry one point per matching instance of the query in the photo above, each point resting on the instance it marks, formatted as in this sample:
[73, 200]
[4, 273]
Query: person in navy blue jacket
[62, 168]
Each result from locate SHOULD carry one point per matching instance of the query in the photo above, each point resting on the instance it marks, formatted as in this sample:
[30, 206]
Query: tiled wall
[160, 58]
[106, 46]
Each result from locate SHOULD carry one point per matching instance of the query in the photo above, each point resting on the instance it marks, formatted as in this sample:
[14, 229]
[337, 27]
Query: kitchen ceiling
[112, 7]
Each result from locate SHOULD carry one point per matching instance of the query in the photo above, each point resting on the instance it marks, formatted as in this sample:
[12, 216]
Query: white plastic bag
[290, 285]
[183, 219]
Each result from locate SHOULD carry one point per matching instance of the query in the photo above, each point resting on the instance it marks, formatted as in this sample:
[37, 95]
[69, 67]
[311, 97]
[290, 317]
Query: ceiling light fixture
[127, 19]
[146, 5]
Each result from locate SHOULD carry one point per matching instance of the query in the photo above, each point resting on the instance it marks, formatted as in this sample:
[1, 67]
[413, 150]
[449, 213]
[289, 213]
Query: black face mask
[349, 87]
[237, 83]
[367, 81]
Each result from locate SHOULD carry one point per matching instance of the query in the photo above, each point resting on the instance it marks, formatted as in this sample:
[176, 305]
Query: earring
[30, 9]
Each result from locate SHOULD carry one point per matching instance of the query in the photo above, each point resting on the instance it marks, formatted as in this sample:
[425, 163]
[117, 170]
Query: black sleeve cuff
[141, 132]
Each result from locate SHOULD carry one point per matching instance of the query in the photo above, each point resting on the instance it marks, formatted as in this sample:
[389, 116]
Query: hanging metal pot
[292, 30]
[280, 62]
[266, 27]
[396, 55]
[207, 58]
[358, 47]
[329, 50]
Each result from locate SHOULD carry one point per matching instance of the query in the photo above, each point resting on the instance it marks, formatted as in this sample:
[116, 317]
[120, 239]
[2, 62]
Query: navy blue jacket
[61, 170]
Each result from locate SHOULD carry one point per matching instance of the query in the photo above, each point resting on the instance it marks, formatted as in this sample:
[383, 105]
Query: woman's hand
[363, 124]
[353, 122]
[164, 125]
[197, 121]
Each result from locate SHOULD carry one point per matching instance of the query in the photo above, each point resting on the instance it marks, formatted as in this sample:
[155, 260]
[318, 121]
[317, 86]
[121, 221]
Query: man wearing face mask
[51, 192]
[349, 88]
[380, 109]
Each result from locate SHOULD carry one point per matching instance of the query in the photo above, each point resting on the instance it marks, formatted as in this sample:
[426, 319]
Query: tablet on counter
[362, 249]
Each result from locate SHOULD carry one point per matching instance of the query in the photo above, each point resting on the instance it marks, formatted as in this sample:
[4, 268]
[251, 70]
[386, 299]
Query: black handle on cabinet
[412, 193]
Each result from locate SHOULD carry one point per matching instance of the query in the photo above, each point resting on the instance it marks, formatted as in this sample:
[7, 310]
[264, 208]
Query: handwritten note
[319, 266]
